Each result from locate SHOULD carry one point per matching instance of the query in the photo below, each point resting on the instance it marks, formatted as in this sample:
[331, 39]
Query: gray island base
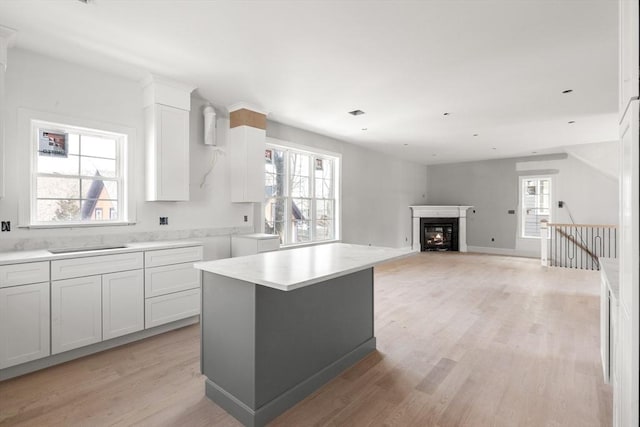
[268, 349]
[264, 348]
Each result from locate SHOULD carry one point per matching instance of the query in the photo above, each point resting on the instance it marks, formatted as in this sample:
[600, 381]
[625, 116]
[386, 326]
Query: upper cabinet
[7, 37]
[167, 104]
[247, 143]
[629, 47]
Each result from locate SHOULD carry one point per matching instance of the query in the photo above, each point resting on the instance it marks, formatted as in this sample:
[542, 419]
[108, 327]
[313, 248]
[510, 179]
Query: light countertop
[15, 257]
[611, 269]
[295, 268]
[256, 236]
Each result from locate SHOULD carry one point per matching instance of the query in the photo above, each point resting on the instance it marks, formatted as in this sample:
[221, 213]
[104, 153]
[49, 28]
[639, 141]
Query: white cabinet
[629, 47]
[629, 207]
[24, 323]
[250, 244]
[167, 153]
[170, 278]
[247, 143]
[95, 265]
[122, 303]
[76, 313]
[626, 388]
[172, 285]
[626, 365]
[172, 256]
[168, 308]
[167, 104]
[25, 273]
[100, 297]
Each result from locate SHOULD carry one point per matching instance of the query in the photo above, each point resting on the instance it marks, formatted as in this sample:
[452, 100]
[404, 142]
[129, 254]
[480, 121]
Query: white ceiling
[498, 67]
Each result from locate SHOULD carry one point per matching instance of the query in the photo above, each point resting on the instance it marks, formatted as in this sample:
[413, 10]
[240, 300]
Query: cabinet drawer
[23, 274]
[172, 307]
[90, 266]
[170, 278]
[172, 256]
[266, 245]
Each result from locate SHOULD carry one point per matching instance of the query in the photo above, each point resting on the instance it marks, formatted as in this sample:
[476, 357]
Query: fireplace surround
[440, 215]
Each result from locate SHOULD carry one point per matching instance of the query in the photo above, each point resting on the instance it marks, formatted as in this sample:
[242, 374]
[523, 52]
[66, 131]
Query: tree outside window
[300, 195]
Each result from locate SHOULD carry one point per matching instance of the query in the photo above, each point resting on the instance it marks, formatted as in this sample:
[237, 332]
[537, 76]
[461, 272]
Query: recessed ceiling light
[405, 144]
[446, 114]
[494, 148]
[475, 134]
[567, 91]
[534, 152]
[356, 112]
[365, 128]
[571, 122]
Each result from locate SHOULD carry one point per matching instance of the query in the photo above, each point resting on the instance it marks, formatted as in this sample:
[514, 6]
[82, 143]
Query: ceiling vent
[356, 112]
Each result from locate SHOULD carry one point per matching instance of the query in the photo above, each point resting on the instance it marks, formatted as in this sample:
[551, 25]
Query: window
[77, 174]
[301, 195]
[535, 202]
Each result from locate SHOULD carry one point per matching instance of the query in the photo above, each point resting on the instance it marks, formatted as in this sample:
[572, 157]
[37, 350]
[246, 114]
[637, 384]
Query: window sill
[76, 225]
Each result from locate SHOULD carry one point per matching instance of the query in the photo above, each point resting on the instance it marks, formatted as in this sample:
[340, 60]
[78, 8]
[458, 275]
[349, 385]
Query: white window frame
[521, 215]
[29, 123]
[312, 151]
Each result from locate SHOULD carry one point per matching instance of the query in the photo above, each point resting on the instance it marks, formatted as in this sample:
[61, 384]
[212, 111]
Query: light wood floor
[463, 340]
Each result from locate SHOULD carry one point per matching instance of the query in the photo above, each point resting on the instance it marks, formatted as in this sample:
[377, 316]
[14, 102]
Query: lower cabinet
[76, 313]
[122, 303]
[170, 307]
[92, 299]
[87, 310]
[24, 324]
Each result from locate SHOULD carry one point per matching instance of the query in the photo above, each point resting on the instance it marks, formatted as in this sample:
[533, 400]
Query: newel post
[544, 247]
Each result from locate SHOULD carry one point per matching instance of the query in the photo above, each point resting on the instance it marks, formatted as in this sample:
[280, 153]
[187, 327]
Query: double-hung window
[78, 175]
[301, 195]
[535, 202]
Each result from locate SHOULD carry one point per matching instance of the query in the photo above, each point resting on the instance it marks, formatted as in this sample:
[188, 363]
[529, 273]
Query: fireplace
[445, 216]
[439, 234]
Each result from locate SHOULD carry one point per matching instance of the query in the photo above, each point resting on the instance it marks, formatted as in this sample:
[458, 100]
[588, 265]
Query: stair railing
[577, 245]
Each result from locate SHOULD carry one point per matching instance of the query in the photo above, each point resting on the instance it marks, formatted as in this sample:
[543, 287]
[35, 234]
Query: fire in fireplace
[439, 234]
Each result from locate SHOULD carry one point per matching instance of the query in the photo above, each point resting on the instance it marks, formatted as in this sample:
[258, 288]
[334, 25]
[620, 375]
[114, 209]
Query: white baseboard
[503, 251]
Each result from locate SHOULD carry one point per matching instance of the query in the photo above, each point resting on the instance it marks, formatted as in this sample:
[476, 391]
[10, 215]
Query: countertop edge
[23, 257]
[201, 265]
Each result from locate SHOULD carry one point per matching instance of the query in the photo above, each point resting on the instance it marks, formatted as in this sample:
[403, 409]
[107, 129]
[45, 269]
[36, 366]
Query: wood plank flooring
[463, 340]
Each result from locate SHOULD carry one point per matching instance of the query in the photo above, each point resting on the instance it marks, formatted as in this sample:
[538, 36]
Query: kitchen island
[278, 325]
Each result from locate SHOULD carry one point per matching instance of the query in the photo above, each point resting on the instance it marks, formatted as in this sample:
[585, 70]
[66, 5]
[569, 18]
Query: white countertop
[256, 236]
[291, 269]
[611, 269]
[15, 257]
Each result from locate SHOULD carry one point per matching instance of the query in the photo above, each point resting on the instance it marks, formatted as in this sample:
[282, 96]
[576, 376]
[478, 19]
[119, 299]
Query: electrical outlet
[246, 218]
[511, 212]
[164, 220]
[6, 225]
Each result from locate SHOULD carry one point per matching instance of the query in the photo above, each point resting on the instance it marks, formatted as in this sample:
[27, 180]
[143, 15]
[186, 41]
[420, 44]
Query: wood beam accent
[244, 117]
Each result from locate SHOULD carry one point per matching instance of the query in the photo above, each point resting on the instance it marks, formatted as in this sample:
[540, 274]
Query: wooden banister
[551, 224]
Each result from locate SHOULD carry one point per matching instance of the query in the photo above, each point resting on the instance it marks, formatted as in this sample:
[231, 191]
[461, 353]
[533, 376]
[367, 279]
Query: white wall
[374, 202]
[491, 186]
[44, 84]
[377, 190]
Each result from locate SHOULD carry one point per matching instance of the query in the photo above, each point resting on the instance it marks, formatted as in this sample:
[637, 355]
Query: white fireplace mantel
[428, 211]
